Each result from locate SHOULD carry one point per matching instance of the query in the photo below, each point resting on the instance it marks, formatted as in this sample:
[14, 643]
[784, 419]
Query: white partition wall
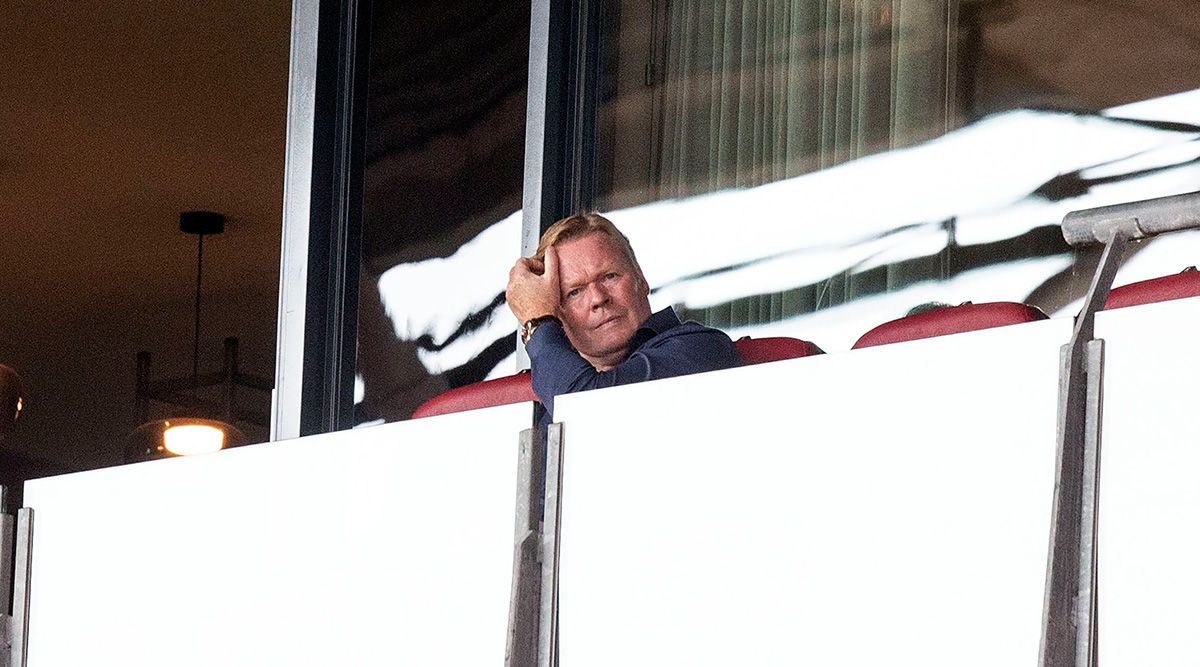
[890, 505]
[1149, 511]
[383, 546]
[882, 506]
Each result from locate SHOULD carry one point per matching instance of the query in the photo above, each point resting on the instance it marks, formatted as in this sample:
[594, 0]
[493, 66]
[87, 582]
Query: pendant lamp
[186, 435]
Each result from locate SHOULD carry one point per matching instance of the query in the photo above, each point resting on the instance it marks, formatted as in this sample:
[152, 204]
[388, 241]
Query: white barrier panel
[884, 506]
[383, 546]
[1149, 512]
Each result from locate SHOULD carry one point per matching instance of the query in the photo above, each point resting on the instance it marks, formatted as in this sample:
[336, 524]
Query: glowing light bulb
[190, 439]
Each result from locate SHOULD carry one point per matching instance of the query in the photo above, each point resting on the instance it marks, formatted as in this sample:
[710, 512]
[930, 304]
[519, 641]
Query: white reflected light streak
[983, 167]
[1167, 156]
[1034, 211]
[1178, 108]
[724, 245]
[836, 329]
[462, 349]
[800, 267]
[435, 295]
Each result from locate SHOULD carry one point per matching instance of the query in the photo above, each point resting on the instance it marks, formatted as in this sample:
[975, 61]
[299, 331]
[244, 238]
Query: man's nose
[597, 294]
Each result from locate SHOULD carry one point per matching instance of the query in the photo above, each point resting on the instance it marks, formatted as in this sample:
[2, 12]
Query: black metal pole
[196, 326]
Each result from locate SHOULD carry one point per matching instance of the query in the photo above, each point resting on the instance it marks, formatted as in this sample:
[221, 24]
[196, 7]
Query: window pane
[816, 167]
[444, 163]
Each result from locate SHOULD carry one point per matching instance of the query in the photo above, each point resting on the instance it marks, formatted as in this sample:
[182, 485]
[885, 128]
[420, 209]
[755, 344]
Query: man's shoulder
[661, 321]
[667, 321]
[690, 347]
[694, 333]
[692, 326]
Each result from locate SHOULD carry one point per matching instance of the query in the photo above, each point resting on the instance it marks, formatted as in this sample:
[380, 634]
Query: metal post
[1086, 638]
[6, 570]
[297, 199]
[547, 117]
[19, 630]
[1069, 611]
[6, 552]
[525, 601]
[1069, 615]
[548, 617]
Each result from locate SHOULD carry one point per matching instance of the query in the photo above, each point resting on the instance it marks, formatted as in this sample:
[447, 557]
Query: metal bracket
[533, 604]
[1069, 612]
[547, 654]
[524, 612]
[7, 552]
[16, 550]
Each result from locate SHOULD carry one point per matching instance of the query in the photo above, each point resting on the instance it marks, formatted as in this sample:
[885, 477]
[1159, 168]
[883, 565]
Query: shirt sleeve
[688, 348]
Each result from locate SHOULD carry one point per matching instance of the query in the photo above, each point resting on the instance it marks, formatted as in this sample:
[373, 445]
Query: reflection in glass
[709, 96]
[813, 168]
[807, 168]
[444, 165]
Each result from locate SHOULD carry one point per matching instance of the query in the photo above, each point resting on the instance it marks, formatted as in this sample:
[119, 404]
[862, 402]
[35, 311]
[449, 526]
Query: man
[584, 308]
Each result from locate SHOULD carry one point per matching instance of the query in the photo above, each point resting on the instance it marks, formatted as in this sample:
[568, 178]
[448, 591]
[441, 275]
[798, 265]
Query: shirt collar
[657, 323]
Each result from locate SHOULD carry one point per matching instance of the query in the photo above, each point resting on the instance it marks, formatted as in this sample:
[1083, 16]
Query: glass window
[443, 176]
[816, 167]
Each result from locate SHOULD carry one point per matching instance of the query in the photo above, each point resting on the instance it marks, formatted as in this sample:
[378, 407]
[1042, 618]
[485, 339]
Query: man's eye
[610, 276]
[573, 293]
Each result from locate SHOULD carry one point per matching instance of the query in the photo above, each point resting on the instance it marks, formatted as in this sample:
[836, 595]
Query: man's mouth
[608, 321]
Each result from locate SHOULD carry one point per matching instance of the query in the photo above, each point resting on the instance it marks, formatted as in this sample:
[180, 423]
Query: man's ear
[645, 285]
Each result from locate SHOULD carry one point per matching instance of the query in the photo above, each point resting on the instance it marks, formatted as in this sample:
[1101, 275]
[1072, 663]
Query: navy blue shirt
[662, 347]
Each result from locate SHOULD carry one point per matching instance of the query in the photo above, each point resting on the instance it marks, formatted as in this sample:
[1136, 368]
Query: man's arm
[684, 349]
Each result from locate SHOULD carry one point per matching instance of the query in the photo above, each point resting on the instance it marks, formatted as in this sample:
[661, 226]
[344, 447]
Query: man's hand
[533, 289]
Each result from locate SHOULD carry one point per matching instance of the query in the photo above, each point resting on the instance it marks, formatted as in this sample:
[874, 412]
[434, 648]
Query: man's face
[604, 297]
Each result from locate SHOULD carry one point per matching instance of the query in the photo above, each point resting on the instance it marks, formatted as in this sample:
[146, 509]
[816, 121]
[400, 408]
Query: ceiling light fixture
[185, 436]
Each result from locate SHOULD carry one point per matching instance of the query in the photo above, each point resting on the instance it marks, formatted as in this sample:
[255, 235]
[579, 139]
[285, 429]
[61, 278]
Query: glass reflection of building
[443, 163]
[807, 168]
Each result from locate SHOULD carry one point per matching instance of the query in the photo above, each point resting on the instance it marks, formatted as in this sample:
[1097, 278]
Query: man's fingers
[529, 265]
[526, 266]
[551, 272]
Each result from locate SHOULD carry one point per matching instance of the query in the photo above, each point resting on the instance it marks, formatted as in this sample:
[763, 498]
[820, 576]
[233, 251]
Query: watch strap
[530, 326]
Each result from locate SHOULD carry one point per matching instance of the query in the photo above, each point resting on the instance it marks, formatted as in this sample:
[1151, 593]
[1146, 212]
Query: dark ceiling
[117, 116]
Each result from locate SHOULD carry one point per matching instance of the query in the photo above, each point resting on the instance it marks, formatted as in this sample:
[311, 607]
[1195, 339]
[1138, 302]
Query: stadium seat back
[761, 350]
[1177, 286]
[501, 391]
[950, 320]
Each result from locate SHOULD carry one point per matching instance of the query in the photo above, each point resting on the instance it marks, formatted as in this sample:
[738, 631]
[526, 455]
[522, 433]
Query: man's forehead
[580, 255]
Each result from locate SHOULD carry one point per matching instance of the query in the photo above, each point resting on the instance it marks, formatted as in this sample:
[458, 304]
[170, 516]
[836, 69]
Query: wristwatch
[530, 326]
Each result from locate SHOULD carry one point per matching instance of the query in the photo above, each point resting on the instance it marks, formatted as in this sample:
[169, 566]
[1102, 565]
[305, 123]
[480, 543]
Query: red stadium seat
[761, 350]
[518, 388]
[950, 320]
[1178, 286]
[501, 391]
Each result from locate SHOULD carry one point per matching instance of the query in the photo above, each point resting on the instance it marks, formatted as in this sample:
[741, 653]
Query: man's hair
[580, 225]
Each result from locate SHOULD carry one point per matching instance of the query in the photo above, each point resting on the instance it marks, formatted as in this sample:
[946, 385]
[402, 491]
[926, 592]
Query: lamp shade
[181, 436]
[12, 397]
